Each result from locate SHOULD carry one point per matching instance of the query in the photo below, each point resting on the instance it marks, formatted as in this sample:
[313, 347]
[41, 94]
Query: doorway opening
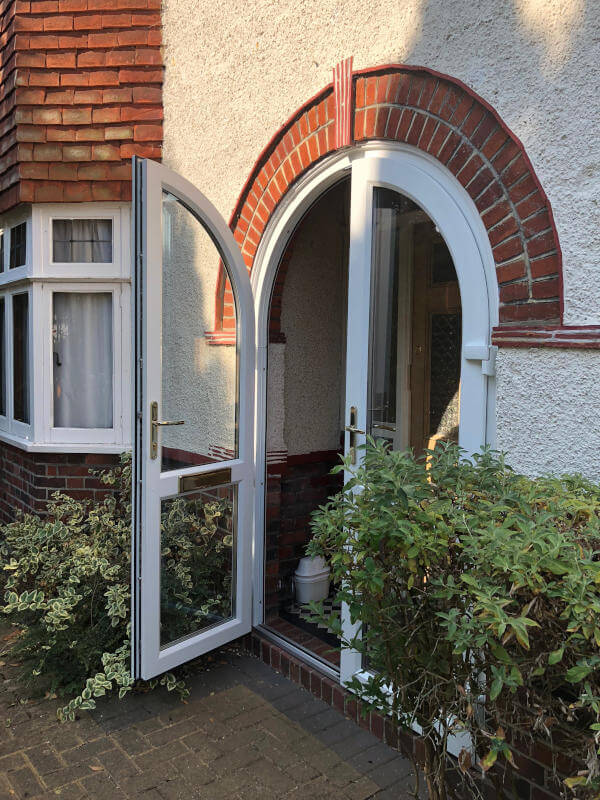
[305, 407]
[413, 376]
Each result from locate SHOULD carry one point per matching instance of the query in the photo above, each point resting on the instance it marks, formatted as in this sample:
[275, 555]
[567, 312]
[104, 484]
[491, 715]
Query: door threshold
[298, 652]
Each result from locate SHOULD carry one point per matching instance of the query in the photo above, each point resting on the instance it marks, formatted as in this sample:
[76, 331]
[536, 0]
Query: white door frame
[428, 183]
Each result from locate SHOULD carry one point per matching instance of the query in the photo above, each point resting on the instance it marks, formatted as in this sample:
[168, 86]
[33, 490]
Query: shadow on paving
[244, 732]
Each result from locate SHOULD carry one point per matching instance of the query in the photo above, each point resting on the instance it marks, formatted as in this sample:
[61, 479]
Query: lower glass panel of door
[197, 573]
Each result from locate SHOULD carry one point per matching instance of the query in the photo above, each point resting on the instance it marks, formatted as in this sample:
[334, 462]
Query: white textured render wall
[548, 410]
[235, 71]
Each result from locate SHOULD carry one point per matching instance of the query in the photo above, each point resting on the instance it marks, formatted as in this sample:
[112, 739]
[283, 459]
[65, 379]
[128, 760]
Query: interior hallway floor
[244, 732]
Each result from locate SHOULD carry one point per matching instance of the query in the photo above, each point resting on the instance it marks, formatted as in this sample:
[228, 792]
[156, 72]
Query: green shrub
[68, 586]
[476, 596]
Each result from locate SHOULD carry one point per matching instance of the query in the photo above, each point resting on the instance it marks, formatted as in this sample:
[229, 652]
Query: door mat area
[302, 617]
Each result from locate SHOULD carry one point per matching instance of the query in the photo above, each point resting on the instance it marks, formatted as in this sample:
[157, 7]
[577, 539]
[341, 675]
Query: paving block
[88, 751]
[25, 783]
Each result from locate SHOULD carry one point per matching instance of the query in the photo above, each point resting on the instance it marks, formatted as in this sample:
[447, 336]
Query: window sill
[61, 447]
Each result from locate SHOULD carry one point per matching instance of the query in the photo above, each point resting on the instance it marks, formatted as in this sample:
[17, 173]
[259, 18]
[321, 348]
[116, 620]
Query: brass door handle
[155, 424]
[354, 432]
[352, 429]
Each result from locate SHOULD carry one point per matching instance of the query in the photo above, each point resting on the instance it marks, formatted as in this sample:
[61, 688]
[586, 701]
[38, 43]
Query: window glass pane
[391, 215]
[1, 252]
[199, 380]
[197, 565]
[444, 370]
[82, 241]
[2, 361]
[415, 345]
[82, 356]
[442, 267]
[18, 245]
[21, 357]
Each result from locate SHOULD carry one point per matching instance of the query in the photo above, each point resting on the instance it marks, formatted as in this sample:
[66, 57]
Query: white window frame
[120, 335]
[43, 218]
[40, 277]
[11, 220]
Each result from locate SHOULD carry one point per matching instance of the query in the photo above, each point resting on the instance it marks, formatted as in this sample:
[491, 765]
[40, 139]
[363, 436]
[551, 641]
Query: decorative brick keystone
[342, 89]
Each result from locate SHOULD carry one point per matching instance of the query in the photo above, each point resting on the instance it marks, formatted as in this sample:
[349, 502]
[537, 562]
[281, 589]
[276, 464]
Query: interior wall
[306, 381]
[313, 320]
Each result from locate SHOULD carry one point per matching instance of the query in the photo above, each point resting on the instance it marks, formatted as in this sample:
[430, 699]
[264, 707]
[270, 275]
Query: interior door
[436, 342]
[193, 479]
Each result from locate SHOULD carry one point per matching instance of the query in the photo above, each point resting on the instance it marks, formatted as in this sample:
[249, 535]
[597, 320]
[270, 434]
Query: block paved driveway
[244, 732]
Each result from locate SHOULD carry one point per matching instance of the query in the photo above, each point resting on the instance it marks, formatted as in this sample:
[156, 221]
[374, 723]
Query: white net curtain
[83, 360]
[82, 241]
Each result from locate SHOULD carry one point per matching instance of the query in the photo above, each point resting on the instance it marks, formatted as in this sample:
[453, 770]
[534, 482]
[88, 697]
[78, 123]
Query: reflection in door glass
[199, 379]
[415, 349]
[197, 562]
[393, 215]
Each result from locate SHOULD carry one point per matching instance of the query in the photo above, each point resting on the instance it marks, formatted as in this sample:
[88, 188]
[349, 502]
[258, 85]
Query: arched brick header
[446, 119]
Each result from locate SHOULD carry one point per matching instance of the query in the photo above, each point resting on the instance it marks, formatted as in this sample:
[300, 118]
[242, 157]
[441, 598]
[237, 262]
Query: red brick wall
[444, 118]
[295, 489]
[80, 94]
[28, 479]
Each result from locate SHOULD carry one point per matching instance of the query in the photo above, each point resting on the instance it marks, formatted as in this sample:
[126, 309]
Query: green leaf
[489, 760]
[577, 673]
[575, 780]
[496, 687]
[556, 656]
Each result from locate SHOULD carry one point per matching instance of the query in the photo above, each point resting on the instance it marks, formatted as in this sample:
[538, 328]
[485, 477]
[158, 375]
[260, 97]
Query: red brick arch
[443, 117]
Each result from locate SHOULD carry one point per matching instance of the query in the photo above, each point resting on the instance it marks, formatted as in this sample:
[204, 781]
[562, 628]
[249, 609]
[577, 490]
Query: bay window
[64, 328]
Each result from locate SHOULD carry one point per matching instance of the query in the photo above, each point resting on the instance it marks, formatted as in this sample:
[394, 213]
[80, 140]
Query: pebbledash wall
[237, 73]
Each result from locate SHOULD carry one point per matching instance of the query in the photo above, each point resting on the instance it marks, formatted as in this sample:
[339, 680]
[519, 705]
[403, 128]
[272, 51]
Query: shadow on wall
[546, 31]
[498, 49]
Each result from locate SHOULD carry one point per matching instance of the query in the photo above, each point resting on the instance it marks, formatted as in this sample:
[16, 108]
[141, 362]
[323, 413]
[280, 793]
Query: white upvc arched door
[193, 471]
[426, 184]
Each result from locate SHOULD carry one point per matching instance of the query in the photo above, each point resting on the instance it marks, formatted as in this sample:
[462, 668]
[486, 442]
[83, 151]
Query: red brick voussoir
[444, 118]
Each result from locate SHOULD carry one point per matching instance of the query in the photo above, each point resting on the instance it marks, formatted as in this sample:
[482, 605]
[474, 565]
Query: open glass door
[193, 446]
